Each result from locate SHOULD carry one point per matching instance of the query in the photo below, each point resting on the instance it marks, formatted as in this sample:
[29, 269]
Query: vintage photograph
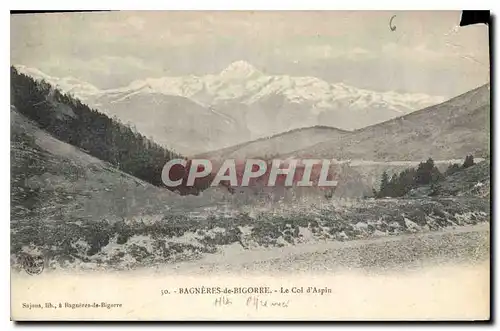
[343, 156]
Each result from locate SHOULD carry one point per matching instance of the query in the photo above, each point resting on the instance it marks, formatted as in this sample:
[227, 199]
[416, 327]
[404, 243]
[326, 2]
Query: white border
[254, 5]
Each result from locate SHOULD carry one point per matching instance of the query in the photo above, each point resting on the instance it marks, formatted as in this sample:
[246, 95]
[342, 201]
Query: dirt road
[468, 245]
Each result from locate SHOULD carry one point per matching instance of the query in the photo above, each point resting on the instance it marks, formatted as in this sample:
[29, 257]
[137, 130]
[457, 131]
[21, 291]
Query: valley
[83, 213]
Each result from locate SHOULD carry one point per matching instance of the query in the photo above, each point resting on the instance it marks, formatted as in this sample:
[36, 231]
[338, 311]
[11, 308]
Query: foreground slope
[51, 179]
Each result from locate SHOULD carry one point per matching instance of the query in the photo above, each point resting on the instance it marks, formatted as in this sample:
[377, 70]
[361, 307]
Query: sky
[427, 53]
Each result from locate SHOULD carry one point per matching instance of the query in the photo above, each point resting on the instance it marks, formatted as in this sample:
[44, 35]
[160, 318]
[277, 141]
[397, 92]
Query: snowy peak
[33, 72]
[242, 84]
[238, 104]
[71, 85]
[239, 69]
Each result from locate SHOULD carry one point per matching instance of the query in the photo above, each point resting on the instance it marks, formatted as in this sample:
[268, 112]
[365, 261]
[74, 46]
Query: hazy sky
[425, 53]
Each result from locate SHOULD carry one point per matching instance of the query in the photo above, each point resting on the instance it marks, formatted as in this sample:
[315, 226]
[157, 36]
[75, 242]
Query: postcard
[250, 165]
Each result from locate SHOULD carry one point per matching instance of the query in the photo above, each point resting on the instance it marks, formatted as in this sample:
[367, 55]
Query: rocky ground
[180, 237]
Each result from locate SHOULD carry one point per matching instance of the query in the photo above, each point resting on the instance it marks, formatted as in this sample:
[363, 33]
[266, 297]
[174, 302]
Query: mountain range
[446, 132]
[449, 130]
[196, 114]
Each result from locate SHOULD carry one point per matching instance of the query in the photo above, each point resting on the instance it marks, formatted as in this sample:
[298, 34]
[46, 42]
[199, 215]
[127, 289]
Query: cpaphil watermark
[237, 173]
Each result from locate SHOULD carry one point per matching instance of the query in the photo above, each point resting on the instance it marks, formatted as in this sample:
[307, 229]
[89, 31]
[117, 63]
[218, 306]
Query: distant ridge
[277, 144]
[449, 130]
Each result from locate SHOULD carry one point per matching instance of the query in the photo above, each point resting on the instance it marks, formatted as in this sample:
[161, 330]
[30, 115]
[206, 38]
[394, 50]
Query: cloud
[423, 54]
[109, 64]
[323, 52]
[102, 71]
[103, 64]
[115, 48]
[136, 22]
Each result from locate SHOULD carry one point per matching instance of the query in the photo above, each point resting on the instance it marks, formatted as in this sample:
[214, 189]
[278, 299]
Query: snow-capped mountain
[242, 82]
[78, 88]
[456, 127]
[241, 102]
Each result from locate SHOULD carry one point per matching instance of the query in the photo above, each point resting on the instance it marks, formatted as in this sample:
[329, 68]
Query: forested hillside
[71, 121]
[427, 180]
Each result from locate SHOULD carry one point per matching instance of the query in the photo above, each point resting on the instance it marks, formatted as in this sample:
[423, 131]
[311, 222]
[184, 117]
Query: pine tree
[427, 173]
[384, 185]
[469, 161]
[400, 184]
[452, 168]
